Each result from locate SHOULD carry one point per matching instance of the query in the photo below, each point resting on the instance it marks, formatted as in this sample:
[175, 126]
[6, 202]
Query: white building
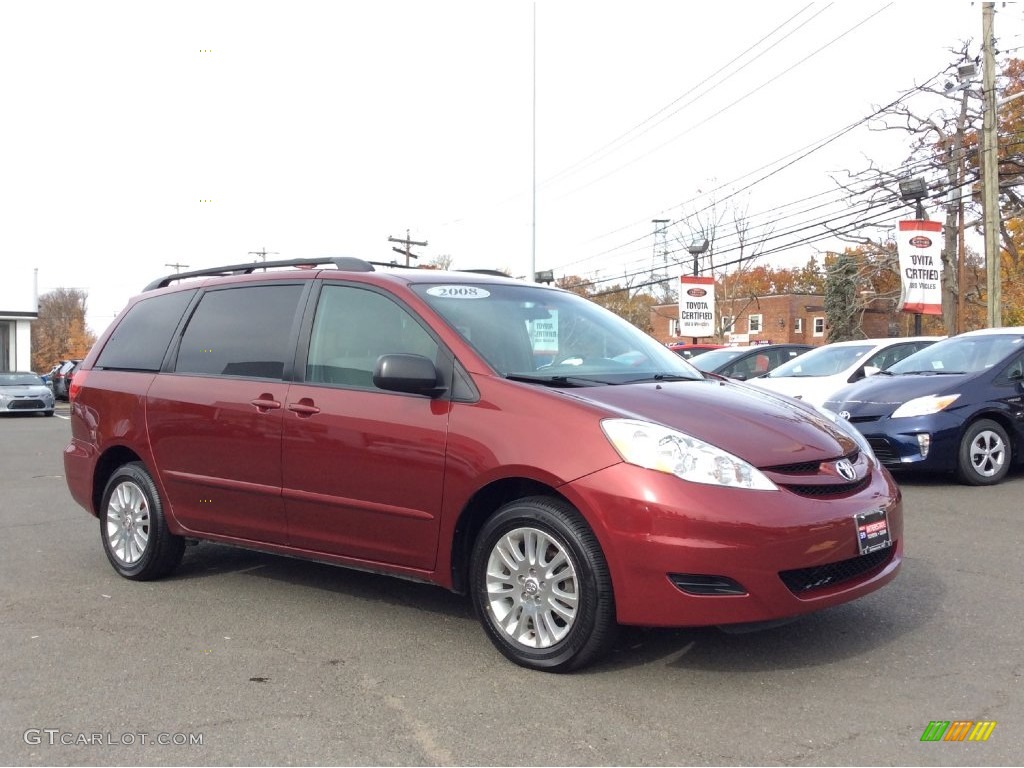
[19, 306]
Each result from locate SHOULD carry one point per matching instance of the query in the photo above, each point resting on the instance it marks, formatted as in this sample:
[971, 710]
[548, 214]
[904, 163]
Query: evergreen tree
[841, 299]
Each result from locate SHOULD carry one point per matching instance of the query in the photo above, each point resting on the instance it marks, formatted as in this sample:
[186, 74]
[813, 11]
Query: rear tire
[984, 457]
[133, 527]
[541, 587]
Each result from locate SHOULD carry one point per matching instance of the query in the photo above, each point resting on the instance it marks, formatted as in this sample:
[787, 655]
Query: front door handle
[304, 407]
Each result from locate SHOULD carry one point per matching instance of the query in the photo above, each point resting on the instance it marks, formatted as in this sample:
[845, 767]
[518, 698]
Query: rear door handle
[266, 402]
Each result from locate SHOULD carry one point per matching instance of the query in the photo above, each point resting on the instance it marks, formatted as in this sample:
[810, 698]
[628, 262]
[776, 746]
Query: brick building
[786, 318]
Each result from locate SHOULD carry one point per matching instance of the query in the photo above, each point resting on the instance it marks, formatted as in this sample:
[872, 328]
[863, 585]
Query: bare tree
[733, 247]
[443, 261]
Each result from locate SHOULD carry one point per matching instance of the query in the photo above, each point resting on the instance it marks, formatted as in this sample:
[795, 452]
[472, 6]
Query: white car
[815, 375]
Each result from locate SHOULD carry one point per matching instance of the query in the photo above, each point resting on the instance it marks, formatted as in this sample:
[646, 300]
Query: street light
[913, 190]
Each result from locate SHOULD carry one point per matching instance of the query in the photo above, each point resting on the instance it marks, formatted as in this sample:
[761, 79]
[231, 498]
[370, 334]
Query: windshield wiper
[661, 377]
[555, 381]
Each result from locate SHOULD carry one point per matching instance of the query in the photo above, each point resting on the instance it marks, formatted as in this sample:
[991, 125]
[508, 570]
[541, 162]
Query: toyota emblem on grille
[844, 415]
[845, 468]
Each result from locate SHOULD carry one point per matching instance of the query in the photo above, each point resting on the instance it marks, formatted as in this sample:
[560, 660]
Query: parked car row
[59, 378]
[814, 376]
[936, 404]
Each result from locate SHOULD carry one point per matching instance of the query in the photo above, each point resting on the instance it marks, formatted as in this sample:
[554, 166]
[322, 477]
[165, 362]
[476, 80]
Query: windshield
[823, 361]
[715, 358]
[961, 354]
[545, 334]
[19, 380]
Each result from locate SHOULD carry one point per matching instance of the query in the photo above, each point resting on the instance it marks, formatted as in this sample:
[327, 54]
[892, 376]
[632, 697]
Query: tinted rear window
[140, 340]
[241, 332]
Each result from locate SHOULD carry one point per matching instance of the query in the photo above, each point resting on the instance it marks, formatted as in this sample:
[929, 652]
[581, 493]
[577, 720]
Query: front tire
[541, 587]
[133, 527]
[984, 457]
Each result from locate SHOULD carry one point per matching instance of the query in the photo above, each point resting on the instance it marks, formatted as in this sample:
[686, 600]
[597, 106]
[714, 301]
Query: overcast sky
[139, 135]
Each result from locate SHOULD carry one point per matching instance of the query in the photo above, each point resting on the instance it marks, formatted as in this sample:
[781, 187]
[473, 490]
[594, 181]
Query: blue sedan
[956, 406]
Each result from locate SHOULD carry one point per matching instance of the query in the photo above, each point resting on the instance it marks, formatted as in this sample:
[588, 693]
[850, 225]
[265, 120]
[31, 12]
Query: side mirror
[413, 374]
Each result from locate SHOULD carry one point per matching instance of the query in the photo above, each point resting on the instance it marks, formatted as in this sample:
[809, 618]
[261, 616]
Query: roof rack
[491, 272]
[346, 263]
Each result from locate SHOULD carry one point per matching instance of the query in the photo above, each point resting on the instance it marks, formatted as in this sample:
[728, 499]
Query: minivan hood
[759, 427]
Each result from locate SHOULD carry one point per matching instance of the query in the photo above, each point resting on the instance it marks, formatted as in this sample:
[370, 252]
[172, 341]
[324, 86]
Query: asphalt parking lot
[246, 658]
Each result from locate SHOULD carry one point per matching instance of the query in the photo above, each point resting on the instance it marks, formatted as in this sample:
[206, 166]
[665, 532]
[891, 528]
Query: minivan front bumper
[788, 553]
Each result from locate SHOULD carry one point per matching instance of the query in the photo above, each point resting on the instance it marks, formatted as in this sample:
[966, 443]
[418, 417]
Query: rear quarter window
[141, 338]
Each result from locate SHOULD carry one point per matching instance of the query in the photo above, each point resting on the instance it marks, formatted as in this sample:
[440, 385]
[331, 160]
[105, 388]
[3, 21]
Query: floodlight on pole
[914, 190]
[698, 246]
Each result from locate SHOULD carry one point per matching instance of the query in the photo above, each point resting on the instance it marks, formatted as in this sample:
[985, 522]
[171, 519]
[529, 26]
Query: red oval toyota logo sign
[696, 292]
[920, 241]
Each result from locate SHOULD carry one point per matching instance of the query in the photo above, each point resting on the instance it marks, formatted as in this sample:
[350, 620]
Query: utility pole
[989, 169]
[408, 244]
[263, 253]
[177, 267]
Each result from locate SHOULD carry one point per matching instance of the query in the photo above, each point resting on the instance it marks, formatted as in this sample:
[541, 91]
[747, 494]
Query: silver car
[25, 393]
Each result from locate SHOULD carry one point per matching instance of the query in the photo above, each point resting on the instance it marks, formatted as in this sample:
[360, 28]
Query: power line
[726, 108]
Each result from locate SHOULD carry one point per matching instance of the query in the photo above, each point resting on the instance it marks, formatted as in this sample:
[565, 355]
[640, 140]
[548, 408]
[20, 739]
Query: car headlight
[924, 406]
[667, 450]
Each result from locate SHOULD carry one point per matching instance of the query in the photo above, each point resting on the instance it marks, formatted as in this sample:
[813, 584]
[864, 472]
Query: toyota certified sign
[696, 306]
[919, 244]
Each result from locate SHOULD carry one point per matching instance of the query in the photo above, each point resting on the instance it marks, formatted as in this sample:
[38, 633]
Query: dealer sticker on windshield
[872, 531]
[458, 292]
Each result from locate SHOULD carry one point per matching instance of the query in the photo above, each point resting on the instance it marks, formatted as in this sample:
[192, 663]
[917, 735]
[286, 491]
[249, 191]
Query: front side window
[243, 331]
[353, 327]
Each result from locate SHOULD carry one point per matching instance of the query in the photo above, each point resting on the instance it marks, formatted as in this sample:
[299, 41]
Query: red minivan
[508, 440]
